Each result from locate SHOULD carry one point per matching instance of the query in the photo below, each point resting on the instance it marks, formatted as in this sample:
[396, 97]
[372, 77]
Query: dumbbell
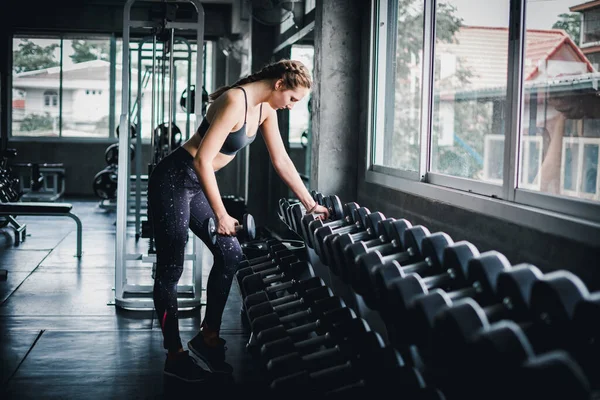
[320, 231]
[501, 353]
[313, 311]
[330, 245]
[430, 251]
[475, 274]
[308, 222]
[340, 242]
[319, 326]
[246, 231]
[373, 368]
[265, 252]
[332, 203]
[257, 282]
[334, 334]
[279, 260]
[268, 270]
[511, 300]
[319, 310]
[276, 299]
[552, 303]
[348, 348]
[585, 336]
[391, 241]
[307, 298]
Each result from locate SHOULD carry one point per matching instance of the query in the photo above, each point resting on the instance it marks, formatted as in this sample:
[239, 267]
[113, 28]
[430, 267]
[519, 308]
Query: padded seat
[35, 208]
[43, 209]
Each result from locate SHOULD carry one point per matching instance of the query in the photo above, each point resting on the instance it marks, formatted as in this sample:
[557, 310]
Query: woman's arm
[229, 109]
[285, 166]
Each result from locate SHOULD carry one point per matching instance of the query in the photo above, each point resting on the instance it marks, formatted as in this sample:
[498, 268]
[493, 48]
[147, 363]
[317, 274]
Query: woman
[183, 193]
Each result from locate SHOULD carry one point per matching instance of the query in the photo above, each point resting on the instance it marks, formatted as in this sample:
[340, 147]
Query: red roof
[484, 52]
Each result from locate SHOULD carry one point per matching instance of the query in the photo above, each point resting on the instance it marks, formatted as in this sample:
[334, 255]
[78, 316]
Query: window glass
[469, 89]
[36, 86]
[85, 87]
[560, 107]
[397, 134]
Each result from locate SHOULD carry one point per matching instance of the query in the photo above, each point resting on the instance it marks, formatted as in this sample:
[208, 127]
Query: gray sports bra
[237, 140]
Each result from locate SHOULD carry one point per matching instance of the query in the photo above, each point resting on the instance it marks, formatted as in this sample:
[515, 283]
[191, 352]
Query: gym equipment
[111, 154]
[501, 353]
[263, 280]
[425, 252]
[347, 348]
[160, 29]
[262, 296]
[313, 311]
[390, 242]
[245, 231]
[374, 368]
[338, 245]
[319, 326]
[321, 230]
[511, 301]
[296, 274]
[329, 337]
[552, 303]
[410, 253]
[105, 183]
[307, 298]
[46, 181]
[370, 227]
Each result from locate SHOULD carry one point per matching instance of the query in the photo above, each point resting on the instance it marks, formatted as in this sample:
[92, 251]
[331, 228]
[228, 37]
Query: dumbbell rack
[435, 332]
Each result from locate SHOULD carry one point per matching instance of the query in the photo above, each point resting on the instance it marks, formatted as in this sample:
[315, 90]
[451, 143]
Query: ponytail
[293, 73]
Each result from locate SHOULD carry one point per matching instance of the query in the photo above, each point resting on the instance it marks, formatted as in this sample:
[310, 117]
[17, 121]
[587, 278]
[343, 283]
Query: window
[36, 83]
[63, 79]
[399, 74]
[457, 109]
[300, 115]
[50, 98]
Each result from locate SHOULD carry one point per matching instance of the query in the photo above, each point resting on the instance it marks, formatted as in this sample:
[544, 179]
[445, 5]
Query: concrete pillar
[335, 103]
[263, 181]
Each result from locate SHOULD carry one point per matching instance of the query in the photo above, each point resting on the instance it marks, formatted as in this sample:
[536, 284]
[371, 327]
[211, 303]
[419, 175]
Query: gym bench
[10, 210]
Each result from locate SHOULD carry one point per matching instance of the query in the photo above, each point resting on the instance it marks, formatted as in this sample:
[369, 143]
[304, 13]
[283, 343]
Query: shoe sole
[172, 375]
[205, 361]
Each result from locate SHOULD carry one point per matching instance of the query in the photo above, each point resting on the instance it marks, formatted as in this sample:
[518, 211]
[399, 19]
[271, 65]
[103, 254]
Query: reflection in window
[35, 82]
[469, 89]
[560, 104]
[397, 136]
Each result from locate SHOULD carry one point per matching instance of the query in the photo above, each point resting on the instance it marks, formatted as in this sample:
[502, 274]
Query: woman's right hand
[226, 225]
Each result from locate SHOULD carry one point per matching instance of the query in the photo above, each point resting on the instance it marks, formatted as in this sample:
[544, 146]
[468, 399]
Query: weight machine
[129, 257]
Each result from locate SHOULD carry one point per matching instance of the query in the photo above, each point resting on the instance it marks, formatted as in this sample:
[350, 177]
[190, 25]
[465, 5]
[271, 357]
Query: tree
[570, 23]
[85, 50]
[31, 57]
[402, 146]
[36, 122]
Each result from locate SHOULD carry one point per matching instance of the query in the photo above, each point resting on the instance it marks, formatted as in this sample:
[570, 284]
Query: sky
[541, 14]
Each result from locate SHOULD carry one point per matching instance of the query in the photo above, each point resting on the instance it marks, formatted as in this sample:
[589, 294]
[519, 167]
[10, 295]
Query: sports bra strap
[260, 114]
[246, 101]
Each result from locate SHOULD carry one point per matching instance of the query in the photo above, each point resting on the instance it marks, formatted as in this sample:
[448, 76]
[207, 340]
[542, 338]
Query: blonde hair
[293, 73]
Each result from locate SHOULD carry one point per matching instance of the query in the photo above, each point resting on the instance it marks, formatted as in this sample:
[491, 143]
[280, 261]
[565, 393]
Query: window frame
[62, 36]
[577, 219]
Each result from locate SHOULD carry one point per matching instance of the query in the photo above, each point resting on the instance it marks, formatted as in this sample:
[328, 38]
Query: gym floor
[61, 338]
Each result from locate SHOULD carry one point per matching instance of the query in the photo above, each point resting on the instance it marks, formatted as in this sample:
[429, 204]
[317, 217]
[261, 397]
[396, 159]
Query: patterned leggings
[176, 202]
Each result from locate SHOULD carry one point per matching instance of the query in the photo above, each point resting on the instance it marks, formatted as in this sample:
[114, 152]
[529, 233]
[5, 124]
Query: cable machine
[133, 282]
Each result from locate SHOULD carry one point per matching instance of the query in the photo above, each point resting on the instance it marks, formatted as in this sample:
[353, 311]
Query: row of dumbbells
[454, 309]
[308, 340]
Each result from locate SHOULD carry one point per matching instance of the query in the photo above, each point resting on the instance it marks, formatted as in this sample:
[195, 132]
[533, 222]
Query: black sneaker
[213, 357]
[184, 367]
